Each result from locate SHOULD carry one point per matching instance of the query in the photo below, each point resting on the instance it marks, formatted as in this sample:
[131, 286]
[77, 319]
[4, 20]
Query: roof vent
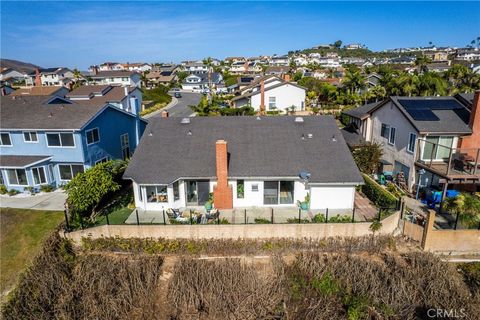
[334, 139]
[150, 134]
[258, 118]
[185, 120]
[299, 119]
[309, 136]
[189, 133]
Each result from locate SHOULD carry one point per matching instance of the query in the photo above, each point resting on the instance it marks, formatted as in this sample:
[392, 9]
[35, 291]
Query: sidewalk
[168, 106]
[43, 201]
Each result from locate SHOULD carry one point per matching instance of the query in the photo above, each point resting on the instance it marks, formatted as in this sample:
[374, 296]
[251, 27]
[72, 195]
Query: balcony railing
[448, 161]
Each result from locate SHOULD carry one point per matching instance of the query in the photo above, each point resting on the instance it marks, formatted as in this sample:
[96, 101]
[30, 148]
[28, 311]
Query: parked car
[177, 94]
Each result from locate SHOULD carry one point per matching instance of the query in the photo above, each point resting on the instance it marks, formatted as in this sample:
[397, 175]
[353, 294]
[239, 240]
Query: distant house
[195, 67]
[354, 46]
[271, 93]
[202, 81]
[437, 134]
[468, 54]
[266, 162]
[277, 71]
[11, 76]
[164, 74]
[48, 140]
[372, 80]
[280, 60]
[137, 67]
[438, 67]
[403, 60]
[125, 98]
[247, 67]
[108, 66]
[41, 91]
[437, 55]
[50, 77]
[6, 89]
[121, 78]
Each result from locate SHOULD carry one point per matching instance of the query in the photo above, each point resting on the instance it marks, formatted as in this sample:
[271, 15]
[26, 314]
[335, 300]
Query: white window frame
[30, 135]
[410, 148]
[255, 187]
[44, 174]
[91, 130]
[16, 174]
[387, 129]
[394, 130]
[9, 137]
[71, 147]
[123, 145]
[71, 171]
[274, 103]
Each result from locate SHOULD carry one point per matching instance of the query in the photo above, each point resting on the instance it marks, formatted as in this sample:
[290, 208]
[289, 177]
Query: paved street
[45, 201]
[182, 107]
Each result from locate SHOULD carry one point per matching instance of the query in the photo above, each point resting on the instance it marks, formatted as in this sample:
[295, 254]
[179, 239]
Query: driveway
[44, 201]
[182, 107]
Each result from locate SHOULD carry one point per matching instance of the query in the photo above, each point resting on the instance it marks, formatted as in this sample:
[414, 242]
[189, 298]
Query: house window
[60, 140]
[391, 138]
[5, 139]
[17, 177]
[270, 192]
[240, 189]
[105, 159]
[68, 171]
[93, 136]
[412, 140]
[124, 141]
[255, 187]
[124, 79]
[278, 192]
[286, 192]
[39, 176]
[157, 194]
[437, 148]
[30, 136]
[272, 103]
[385, 131]
[176, 191]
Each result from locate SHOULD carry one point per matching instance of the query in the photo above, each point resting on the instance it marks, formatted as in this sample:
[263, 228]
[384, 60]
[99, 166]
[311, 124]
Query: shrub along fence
[377, 194]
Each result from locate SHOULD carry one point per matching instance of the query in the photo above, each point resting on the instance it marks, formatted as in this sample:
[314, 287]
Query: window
[278, 192]
[102, 160]
[125, 146]
[60, 140]
[412, 140]
[93, 136]
[254, 187]
[39, 176]
[68, 171]
[272, 103]
[176, 191]
[437, 148]
[157, 194]
[30, 136]
[391, 138]
[385, 131]
[17, 177]
[125, 79]
[5, 139]
[286, 192]
[240, 189]
[270, 192]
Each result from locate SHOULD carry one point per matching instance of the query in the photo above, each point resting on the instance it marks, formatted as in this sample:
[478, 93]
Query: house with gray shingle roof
[436, 134]
[47, 140]
[244, 162]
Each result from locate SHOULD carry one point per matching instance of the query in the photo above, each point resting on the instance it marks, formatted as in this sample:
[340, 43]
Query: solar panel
[423, 115]
[433, 104]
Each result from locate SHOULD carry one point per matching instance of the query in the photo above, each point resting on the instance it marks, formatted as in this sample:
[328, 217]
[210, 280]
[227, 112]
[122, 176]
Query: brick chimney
[222, 192]
[38, 79]
[164, 114]
[473, 141]
[262, 97]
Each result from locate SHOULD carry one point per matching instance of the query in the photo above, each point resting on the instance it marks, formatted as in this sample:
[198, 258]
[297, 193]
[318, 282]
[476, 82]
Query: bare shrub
[224, 289]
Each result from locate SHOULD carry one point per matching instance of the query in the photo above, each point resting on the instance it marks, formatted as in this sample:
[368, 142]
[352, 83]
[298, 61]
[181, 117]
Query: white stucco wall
[286, 96]
[332, 197]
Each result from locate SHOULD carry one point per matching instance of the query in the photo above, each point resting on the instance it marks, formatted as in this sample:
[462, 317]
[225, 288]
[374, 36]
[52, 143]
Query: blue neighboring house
[48, 140]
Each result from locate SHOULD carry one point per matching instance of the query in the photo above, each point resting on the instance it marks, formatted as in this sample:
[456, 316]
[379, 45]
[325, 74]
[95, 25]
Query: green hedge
[377, 194]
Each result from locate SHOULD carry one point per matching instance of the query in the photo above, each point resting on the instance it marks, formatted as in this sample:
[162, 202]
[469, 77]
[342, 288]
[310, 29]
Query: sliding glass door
[278, 192]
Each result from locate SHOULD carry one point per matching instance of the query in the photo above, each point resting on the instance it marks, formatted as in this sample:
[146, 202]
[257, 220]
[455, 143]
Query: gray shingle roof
[269, 147]
[20, 161]
[362, 112]
[449, 115]
[33, 112]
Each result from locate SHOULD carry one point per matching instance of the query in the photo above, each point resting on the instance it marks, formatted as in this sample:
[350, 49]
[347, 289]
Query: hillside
[18, 65]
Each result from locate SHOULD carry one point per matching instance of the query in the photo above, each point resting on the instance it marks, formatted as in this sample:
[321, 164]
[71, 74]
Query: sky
[80, 34]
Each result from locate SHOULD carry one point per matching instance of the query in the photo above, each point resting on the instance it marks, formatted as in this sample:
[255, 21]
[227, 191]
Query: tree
[367, 157]
[375, 226]
[421, 62]
[466, 207]
[337, 44]
[86, 190]
[354, 80]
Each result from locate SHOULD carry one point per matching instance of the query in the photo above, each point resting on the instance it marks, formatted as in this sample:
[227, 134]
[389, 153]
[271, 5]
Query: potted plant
[304, 205]
[209, 204]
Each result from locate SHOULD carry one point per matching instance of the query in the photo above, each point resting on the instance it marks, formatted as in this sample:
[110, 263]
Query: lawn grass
[116, 217]
[21, 235]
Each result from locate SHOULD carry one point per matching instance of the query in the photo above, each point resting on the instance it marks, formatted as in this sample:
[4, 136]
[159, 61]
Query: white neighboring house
[11, 75]
[119, 78]
[138, 67]
[278, 95]
[468, 54]
[195, 67]
[245, 162]
[109, 66]
[279, 61]
[51, 77]
[202, 81]
[247, 67]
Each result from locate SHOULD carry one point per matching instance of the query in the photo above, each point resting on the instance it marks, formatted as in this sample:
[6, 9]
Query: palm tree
[421, 62]
[354, 80]
[466, 207]
[378, 92]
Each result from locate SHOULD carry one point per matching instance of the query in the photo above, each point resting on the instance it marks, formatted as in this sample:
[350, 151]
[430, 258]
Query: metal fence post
[379, 214]
[136, 214]
[299, 215]
[164, 221]
[66, 220]
[271, 215]
[456, 221]
[108, 221]
[81, 221]
[245, 215]
[191, 221]
[326, 216]
[218, 218]
[353, 215]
